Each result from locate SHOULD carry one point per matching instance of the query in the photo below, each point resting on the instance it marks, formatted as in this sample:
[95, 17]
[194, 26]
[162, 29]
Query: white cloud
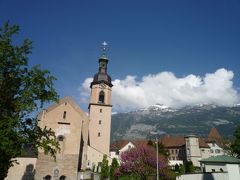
[165, 88]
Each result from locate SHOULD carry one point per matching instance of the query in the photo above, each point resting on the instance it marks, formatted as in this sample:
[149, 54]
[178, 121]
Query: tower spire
[104, 50]
[102, 75]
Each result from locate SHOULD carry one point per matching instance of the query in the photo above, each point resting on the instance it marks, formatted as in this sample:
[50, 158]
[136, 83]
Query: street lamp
[155, 133]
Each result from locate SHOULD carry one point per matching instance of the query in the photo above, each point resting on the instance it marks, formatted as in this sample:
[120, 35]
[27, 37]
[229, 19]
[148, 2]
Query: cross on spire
[104, 44]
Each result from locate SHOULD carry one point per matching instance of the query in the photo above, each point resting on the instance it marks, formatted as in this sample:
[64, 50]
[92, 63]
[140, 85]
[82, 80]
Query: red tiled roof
[118, 145]
[214, 134]
[172, 141]
[140, 142]
[202, 143]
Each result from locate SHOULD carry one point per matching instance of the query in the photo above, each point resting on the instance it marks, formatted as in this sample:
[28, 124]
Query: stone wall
[67, 166]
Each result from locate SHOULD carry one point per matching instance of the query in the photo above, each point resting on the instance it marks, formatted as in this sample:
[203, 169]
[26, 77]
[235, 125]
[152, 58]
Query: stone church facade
[83, 139]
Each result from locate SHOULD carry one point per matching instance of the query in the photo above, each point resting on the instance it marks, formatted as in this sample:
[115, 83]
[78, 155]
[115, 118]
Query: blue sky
[144, 37]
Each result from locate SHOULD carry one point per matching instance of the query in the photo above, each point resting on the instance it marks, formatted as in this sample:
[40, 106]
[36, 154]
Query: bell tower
[100, 108]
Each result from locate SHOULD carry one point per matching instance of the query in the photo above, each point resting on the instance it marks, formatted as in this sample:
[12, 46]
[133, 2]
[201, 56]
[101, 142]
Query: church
[83, 137]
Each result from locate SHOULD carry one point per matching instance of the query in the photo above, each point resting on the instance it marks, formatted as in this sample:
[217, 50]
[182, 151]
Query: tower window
[99, 134]
[64, 114]
[101, 97]
[100, 110]
[99, 122]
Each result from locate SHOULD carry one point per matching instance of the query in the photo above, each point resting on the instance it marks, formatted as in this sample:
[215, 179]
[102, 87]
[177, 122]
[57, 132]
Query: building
[193, 148]
[83, 138]
[188, 148]
[220, 167]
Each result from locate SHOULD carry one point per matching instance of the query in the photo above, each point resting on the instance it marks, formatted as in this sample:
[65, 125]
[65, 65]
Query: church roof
[214, 135]
[102, 77]
[69, 100]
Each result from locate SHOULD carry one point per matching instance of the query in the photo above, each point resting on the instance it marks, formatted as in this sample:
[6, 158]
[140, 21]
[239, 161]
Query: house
[192, 148]
[121, 146]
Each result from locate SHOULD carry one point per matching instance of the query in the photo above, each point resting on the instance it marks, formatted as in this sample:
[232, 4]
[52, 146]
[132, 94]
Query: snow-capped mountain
[197, 119]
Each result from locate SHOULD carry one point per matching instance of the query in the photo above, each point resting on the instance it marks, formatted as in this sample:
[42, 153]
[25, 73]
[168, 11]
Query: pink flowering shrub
[141, 162]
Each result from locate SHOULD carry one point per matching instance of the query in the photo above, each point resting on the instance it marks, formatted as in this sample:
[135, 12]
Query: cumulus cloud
[165, 88]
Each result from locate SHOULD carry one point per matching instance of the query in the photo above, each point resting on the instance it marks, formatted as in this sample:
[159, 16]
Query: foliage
[113, 168]
[23, 90]
[236, 144]
[189, 168]
[181, 169]
[141, 163]
[105, 168]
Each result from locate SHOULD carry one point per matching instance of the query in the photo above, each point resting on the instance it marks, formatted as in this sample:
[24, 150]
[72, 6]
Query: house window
[211, 151]
[100, 110]
[217, 151]
[99, 134]
[176, 151]
[101, 97]
[99, 122]
[64, 114]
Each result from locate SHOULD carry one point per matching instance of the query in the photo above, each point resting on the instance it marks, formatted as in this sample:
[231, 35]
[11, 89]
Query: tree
[189, 168]
[236, 144]
[113, 168]
[141, 163]
[23, 90]
[105, 168]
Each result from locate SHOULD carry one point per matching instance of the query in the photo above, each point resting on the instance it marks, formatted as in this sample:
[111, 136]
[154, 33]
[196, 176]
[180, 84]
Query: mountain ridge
[197, 119]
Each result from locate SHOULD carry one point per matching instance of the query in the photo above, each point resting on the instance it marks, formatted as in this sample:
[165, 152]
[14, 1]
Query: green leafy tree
[181, 169]
[23, 90]
[189, 168]
[113, 168]
[236, 144]
[105, 168]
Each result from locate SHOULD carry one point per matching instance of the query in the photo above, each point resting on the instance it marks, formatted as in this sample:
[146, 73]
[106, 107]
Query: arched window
[47, 177]
[62, 177]
[101, 97]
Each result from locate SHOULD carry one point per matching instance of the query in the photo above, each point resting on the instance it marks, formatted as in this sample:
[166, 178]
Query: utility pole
[157, 158]
[156, 138]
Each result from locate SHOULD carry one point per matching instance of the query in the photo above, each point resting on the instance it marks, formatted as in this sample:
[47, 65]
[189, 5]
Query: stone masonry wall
[67, 166]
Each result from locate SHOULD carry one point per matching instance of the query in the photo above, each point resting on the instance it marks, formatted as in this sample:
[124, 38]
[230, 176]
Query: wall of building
[210, 167]
[193, 150]
[215, 150]
[204, 176]
[70, 127]
[24, 170]
[233, 171]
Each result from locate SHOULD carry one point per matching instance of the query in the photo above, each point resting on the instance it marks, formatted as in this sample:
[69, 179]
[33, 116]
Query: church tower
[100, 108]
